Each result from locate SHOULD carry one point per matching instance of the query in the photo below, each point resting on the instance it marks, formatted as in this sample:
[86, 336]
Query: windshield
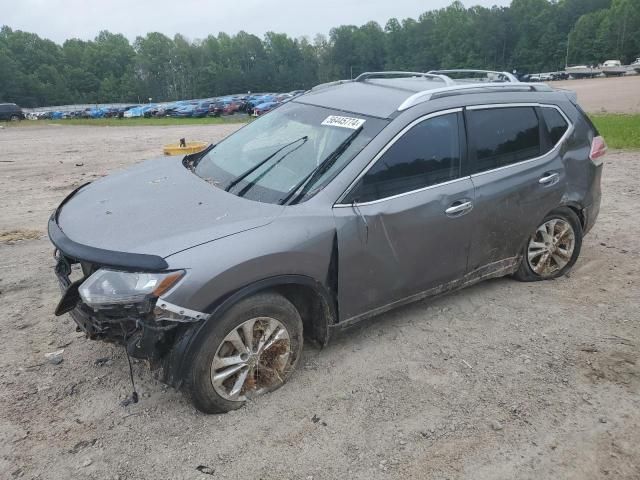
[287, 155]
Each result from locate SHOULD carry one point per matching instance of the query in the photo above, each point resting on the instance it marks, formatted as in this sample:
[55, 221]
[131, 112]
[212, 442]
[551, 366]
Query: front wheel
[15, 118]
[251, 350]
[553, 248]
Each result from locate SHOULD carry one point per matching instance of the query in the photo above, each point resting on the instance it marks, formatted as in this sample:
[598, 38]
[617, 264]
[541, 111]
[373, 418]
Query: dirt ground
[606, 95]
[504, 380]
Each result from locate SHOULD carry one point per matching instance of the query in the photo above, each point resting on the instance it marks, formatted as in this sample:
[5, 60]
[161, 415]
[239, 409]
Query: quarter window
[502, 136]
[428, 154]
[556, 124]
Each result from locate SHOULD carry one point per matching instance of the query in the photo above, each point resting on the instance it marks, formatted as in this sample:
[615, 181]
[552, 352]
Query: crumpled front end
[148, 330]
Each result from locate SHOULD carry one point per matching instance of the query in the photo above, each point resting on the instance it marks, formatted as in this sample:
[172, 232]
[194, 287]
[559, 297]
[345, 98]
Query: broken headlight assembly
[106, 288]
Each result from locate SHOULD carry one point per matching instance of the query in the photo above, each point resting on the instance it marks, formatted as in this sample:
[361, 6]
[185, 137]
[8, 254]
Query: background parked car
[264, 108]
[11, 111]
[225, 106]
[183, 111]
[139, 111]
[202, 109]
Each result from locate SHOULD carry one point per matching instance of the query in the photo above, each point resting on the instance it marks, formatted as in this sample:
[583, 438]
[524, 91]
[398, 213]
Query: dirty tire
[199, 385]
[15, 118]
[526, 273]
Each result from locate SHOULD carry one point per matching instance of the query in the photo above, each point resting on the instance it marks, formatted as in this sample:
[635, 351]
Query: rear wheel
[553, 248]
[251, 350]
[15, 118]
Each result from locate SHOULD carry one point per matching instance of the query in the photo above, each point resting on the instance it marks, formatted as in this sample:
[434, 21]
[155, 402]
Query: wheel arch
[575, 207]
[313, 300]
[579, 211]
[315, 303]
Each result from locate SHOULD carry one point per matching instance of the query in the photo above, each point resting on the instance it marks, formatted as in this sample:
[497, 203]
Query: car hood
[158, 207]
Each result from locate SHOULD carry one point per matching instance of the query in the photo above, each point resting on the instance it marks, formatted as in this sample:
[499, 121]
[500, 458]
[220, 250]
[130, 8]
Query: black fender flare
[177, 362]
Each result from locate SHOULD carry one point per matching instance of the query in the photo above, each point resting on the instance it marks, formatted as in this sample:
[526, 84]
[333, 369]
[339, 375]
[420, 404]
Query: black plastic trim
[67, 198]
[107, 258]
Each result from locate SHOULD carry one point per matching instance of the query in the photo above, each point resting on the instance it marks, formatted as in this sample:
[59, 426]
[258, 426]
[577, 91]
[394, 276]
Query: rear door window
[556, 125]
[426, 155]
[502, 136]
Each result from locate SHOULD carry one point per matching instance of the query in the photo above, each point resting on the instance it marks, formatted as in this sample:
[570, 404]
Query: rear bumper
[591, 212]
[590, 215]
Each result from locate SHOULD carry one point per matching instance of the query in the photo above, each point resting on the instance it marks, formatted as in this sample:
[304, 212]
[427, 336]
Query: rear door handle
[549, 179]
[458, 208]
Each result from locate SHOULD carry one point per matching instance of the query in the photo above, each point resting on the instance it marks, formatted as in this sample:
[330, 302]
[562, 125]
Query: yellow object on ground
[190, 147]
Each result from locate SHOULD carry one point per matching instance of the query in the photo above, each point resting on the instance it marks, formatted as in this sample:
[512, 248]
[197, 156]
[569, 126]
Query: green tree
[529, 35]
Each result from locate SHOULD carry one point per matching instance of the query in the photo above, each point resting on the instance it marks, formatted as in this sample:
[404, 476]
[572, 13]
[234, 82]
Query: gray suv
[345, 202]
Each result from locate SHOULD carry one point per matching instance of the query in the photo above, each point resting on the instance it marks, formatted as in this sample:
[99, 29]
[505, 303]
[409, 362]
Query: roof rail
[426, 95]
[393, 74]
[329, 84]
[506, 75]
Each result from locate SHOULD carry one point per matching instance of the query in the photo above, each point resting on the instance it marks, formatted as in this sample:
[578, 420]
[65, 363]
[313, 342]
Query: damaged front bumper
[155, 329]
[148, 331]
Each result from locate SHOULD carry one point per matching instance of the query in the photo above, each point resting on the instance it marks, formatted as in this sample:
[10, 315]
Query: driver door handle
[459, 208]
[549, 179]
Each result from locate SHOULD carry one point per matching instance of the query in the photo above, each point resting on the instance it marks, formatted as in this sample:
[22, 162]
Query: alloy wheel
[551, 248]
[252, 359]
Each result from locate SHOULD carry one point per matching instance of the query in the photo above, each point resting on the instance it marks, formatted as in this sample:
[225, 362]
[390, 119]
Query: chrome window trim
[385, 149]
[570, 129]
[393, 197]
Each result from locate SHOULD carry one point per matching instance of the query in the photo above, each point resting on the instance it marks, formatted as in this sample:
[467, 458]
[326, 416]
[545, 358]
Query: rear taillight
[598, 148]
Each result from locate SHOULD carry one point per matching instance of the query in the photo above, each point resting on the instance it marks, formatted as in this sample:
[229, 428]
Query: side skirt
[492, 270]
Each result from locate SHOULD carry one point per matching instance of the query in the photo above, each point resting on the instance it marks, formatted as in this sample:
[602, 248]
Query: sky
[59, 20]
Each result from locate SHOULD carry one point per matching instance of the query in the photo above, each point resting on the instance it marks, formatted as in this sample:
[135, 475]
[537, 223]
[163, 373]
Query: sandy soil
[606, 95]
[503, 380]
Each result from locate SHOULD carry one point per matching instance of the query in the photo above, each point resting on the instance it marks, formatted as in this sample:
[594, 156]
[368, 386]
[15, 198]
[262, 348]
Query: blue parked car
[183, 112]
[202, 109]
[264, 108]
[139, 111]
[96, 112]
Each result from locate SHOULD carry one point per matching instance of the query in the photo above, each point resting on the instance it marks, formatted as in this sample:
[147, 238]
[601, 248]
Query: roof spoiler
[570, 94]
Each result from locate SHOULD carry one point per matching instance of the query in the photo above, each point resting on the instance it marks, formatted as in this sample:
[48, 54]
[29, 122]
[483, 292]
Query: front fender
[176, 363]
[297, 252]
[216, 269]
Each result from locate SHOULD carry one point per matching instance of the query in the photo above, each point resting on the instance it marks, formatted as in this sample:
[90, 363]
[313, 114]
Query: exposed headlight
[112, 287]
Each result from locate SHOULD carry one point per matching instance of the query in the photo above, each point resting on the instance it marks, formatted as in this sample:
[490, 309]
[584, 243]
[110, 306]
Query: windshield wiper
[262, 162]
[316, 173]
[250, 185]
[191, 161]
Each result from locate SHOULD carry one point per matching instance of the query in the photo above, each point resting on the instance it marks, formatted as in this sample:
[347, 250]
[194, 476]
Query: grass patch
[137, 122]
[619, 131]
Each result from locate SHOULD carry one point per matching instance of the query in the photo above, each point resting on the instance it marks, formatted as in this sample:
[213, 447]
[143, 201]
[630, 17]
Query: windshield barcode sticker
[344, 122]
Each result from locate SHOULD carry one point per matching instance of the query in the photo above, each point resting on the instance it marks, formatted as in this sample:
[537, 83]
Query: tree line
[528, 36]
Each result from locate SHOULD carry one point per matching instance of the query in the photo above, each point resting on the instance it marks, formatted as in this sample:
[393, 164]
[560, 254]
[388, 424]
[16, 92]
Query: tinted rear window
[556, 124]
[586, 119]
[502, 136]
